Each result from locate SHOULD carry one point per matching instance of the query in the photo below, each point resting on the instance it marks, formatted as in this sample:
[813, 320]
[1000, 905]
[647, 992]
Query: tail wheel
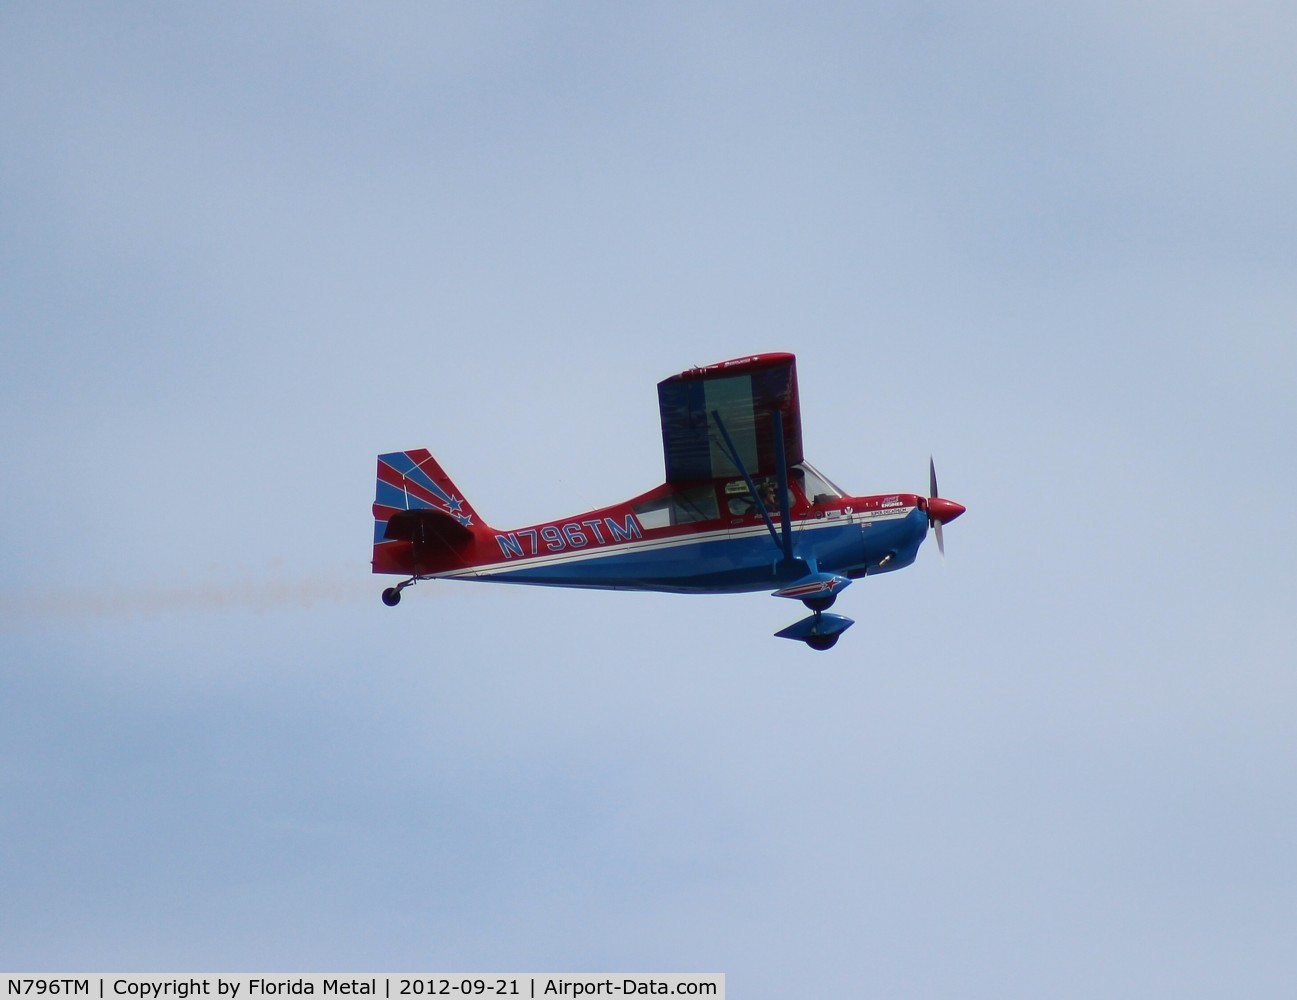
[392, 596]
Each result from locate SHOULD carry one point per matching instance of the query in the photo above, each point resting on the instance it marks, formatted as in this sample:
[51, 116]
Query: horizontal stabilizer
[424, 526]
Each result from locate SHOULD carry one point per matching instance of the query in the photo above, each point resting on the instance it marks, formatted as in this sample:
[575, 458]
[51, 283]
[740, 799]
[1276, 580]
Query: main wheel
[391, 597]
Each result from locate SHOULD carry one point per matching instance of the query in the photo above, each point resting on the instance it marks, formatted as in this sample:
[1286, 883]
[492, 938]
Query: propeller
[939, 510]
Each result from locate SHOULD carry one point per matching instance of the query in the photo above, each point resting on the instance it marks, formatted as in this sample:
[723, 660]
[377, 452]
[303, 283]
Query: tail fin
[421, 521]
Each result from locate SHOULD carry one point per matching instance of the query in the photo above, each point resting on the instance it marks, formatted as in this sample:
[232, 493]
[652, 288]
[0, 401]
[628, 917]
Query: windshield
[818, 488]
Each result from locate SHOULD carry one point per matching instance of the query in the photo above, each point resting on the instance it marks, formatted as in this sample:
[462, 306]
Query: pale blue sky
[246, 247]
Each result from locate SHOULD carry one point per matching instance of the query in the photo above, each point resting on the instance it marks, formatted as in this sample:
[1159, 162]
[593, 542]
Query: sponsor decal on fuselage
[900, 511]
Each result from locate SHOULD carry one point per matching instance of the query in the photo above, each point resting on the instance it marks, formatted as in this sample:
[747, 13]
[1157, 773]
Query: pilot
[799, 477]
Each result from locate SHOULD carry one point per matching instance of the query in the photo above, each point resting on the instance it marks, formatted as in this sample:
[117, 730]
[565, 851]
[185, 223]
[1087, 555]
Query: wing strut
[785, 543]
[781, 474]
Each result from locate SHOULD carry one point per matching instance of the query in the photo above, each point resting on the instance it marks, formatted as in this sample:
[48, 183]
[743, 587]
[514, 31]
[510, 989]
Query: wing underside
[743, 393]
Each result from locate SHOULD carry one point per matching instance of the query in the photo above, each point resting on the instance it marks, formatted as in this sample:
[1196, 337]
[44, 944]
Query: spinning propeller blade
[939, 511]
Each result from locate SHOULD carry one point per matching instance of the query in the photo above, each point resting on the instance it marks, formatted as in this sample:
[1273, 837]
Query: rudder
[420, 517]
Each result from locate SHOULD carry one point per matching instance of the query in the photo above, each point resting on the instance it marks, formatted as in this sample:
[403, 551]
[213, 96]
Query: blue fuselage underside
[715, 563]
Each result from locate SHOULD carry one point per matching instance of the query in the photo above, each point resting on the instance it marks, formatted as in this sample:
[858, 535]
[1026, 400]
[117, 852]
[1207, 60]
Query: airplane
[741, 511]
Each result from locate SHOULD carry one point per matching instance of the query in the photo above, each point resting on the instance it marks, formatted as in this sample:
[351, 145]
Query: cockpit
[808, 486]
[816, 486]
[804, 479]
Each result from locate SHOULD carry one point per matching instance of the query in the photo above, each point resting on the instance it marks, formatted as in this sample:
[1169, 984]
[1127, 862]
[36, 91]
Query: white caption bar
[389, 985]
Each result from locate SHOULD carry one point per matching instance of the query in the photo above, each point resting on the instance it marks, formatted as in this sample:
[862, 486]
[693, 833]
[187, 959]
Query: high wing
[743, 392]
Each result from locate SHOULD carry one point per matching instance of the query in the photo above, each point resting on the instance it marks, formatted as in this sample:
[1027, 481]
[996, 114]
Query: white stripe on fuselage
[675, 541]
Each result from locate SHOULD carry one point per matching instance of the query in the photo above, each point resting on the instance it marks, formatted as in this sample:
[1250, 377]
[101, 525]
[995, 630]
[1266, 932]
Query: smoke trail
[123, 601]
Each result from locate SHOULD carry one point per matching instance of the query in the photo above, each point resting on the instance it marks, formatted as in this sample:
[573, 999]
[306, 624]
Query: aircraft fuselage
[623, 548]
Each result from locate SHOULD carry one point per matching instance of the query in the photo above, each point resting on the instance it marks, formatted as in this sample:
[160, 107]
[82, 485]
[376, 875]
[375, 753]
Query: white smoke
[120, 601]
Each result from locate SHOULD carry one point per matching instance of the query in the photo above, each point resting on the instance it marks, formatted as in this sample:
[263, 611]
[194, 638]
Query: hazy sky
[246, 247]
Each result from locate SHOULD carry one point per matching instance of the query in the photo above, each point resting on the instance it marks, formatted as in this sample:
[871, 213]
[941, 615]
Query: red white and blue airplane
[741, 510]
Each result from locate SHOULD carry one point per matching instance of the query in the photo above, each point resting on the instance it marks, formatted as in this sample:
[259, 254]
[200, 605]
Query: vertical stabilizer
[420, 516]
